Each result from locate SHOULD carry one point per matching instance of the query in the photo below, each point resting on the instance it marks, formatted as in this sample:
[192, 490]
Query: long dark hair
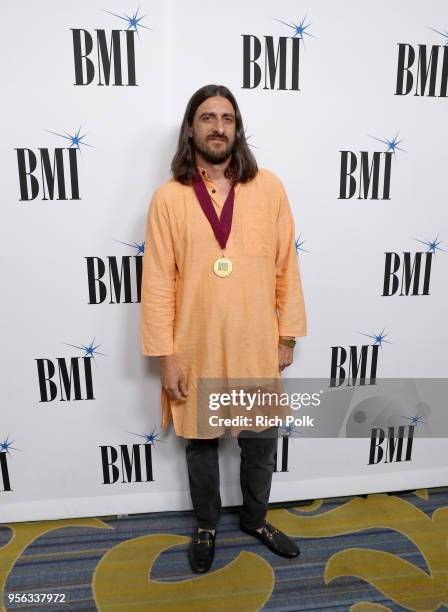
[242, 167]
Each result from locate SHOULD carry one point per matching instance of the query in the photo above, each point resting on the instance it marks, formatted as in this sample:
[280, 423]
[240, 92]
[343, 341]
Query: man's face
[213, 129]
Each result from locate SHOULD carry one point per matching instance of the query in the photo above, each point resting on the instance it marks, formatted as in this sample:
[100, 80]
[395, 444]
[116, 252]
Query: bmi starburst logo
[391, 144]
[378, 338]
[248, 137]
[443, 34]
[276, 58]
[116, 279]
[138, 246]
[129, 463]
[422, 69]
[6, 446]
[151, 438]
[108, 55]
[51, 172]
[299, 245]
[432, 245]
[76, 139]
[416, 419]
[409, 273]
[132, 22]
[89, 350]
[299, 30]
[357, 365]
[68, 378]
[367, 174]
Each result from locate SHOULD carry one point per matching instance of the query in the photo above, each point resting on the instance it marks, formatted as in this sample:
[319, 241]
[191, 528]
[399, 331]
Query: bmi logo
[113, 59]
[51, 172]
[5, 447]
[274, 61]
[410, 273]
[67, 378]
[117, 279]
[390, 447]
[422, 70]
[356, 365]
[367, 174]
[127, 463]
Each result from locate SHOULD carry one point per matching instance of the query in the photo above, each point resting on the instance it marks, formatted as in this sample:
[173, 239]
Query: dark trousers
[258, 461]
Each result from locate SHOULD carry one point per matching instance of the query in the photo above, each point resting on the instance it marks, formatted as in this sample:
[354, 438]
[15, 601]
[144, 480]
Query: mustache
[216, 137]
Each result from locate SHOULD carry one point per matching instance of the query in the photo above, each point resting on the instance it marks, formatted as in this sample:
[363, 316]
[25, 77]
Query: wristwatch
[288, 342]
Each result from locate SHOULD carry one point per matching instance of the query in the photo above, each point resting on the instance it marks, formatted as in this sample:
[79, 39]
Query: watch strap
[288, 342]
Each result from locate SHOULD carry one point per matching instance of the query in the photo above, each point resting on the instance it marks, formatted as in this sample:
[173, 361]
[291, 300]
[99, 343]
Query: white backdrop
[51, 465]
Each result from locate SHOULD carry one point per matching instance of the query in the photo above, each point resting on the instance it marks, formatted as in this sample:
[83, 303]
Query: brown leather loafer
[201, 551]
[275, 540]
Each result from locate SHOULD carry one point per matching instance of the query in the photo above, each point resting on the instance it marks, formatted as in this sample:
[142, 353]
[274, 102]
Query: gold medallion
[223, 267]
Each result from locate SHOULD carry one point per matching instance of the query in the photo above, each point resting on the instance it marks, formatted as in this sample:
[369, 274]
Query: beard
[211, 154]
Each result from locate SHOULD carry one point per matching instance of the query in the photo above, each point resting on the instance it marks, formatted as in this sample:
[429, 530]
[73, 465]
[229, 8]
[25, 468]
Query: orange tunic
[216, 327]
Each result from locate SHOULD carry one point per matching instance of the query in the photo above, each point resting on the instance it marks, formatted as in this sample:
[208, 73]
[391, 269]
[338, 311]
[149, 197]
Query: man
[221, 299]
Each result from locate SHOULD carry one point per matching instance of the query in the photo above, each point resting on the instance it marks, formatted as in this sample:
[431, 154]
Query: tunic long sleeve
[290, 302]
[159, 283]
[219, 328]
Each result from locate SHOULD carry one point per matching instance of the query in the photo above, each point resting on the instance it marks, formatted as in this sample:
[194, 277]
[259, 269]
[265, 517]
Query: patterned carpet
[358, 554]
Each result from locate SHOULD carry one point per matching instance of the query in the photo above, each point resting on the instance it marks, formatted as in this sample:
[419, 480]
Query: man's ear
[190, 132]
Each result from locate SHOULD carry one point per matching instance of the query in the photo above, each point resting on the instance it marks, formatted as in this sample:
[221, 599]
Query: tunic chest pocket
[258, 234]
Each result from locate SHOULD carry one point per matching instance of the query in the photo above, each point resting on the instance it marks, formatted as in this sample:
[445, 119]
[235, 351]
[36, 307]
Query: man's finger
[175, 393]
[183, 387]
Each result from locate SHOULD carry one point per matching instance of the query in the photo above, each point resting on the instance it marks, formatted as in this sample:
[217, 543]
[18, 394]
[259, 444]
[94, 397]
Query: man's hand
[285, 356]
[172, 378]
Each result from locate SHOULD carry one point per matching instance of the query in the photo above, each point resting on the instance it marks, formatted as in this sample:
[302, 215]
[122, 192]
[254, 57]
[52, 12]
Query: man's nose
[220, 126]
